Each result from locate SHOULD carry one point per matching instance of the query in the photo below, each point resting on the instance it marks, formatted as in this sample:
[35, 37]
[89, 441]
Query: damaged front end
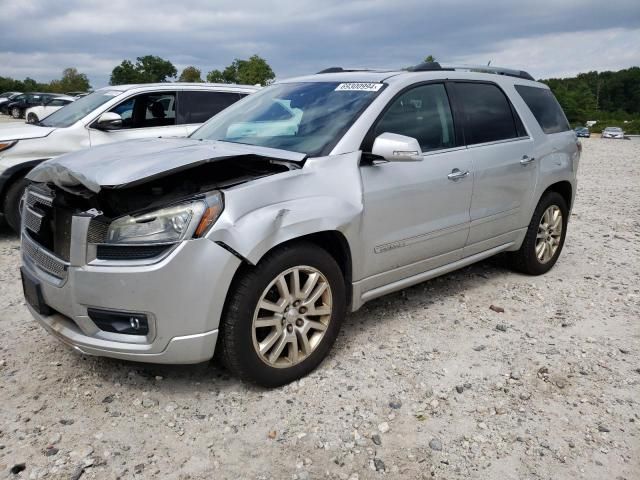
[139, 221]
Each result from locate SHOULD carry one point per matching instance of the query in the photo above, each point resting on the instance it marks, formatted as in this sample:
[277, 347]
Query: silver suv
[254, 236]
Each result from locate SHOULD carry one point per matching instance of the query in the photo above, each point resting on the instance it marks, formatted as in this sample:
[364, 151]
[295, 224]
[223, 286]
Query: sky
[40, 38]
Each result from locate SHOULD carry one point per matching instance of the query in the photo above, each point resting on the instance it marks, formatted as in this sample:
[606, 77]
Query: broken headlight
[167, 225]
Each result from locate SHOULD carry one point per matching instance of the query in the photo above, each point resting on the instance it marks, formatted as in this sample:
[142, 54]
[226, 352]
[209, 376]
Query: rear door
[416, 213]
[198, 106]
[504, 167]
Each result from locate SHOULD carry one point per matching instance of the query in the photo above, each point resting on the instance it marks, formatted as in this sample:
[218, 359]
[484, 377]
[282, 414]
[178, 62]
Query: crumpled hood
[131, 162]
[24, 131]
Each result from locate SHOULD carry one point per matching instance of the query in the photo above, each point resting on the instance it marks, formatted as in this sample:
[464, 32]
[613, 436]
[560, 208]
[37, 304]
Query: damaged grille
[42, 258]
[46, 231]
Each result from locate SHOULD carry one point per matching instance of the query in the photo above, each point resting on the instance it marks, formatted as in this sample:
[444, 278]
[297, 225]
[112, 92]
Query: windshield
[301, 117]
[613, 129]
[70, 114]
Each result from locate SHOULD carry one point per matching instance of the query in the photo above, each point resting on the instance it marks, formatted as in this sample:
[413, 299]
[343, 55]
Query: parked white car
[37, 113]
[613, 132]
[111, 114]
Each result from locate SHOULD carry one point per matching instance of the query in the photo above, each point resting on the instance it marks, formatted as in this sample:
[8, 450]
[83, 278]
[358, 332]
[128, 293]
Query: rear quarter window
[545, 108]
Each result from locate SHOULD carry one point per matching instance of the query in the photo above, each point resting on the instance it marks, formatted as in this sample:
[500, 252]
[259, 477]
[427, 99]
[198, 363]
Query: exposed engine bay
[172, 187]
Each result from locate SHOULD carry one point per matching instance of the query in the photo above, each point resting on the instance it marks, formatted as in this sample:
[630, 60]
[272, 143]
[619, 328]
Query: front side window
[200, 106]
[301, 117]
[422, 113]
[545, 108]
[70, 114]
[148, 110]
[487, 113]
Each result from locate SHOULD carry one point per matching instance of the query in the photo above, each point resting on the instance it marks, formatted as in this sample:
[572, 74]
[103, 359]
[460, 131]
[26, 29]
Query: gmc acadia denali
[255, 235]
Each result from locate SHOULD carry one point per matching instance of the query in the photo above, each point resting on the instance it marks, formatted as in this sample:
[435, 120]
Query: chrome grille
[97, 232]
[31, 220]
[42, 258]
[36, 196]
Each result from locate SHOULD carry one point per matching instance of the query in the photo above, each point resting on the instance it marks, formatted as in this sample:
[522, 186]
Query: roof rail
[489, 69]
[353, 69]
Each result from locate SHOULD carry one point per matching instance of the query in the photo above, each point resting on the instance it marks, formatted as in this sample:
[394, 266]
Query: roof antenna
[489, 63]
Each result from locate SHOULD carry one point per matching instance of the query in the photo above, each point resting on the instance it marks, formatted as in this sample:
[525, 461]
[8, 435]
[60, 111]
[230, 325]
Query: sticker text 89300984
[359, 87]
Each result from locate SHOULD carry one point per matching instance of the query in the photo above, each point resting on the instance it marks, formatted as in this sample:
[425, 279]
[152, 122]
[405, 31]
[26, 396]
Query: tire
[32, 118]
[239, 341]
[16, 112]
[12, 202]
[526, 259]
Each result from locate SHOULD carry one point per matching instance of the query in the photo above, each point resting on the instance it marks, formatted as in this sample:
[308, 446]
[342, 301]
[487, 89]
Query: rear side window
[545, 108]
[486, 112]
[198, 107]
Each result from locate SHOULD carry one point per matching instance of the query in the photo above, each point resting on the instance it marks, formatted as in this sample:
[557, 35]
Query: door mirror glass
[109, 121]
[397, 148]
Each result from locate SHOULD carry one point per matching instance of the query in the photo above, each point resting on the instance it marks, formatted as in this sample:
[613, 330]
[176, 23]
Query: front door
[416, 213]
[146, 115]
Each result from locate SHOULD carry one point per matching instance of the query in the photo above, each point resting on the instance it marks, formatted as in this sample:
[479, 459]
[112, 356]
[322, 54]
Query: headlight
[5, 145]
[167, 225]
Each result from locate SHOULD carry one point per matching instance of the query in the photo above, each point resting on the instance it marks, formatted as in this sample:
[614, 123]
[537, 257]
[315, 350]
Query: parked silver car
[613, 132]
[254, 240]
[108, 115]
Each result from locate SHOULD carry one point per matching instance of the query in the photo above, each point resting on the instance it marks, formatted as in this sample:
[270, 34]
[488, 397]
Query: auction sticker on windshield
[359, 87]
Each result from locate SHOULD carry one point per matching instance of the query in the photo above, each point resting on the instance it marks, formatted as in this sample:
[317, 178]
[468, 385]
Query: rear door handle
[457, 174]
[526, 160]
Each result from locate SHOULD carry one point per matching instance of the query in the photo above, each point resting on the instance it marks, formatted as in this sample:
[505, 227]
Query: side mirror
[109, 121]
[397, 148]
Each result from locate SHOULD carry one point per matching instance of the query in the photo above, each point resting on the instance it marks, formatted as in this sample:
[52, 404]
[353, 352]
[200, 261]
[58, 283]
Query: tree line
[150, 68]
[599, 95]
[71, 81]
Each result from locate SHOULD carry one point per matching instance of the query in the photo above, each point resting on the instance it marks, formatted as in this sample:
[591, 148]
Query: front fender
[325, 195]
[253, 235]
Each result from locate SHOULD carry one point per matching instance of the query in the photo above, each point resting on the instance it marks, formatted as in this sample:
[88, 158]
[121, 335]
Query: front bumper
[182, 295]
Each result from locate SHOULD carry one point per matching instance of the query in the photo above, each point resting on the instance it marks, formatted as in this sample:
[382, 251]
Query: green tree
[156, 69]
[147, 69]
[253, 71]
[125, 73]
[71, 81]
[215, 76]
[429, 58]
[190, 74]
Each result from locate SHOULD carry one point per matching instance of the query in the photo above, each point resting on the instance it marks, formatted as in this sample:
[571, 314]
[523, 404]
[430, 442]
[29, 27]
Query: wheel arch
[564, 188]
[13, 174]
[334, 242]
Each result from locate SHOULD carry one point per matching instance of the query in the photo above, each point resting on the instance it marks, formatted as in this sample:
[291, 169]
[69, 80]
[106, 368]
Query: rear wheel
[32, 118]
[545, 236]
[16, 113]
[282, 316]
[13, 203]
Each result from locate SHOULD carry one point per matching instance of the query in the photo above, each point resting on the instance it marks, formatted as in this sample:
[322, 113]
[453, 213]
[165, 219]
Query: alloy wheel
[549, 234]
[292, 316]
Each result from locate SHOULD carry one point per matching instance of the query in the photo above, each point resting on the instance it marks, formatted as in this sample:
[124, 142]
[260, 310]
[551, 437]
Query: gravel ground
[426, 383]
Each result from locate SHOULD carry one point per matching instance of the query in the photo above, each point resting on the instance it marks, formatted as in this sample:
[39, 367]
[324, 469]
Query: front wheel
[545, 236]
[32, 118]
[283, 315]
[13, 203]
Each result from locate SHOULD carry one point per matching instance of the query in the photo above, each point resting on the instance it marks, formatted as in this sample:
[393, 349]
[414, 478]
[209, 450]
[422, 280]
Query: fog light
[126, 323]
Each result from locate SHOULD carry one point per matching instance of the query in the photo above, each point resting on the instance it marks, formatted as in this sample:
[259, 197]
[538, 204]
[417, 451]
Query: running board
[428, 275]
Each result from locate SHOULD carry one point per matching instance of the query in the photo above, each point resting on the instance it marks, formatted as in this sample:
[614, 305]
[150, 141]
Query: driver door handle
[526, 160]
[457, 174]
